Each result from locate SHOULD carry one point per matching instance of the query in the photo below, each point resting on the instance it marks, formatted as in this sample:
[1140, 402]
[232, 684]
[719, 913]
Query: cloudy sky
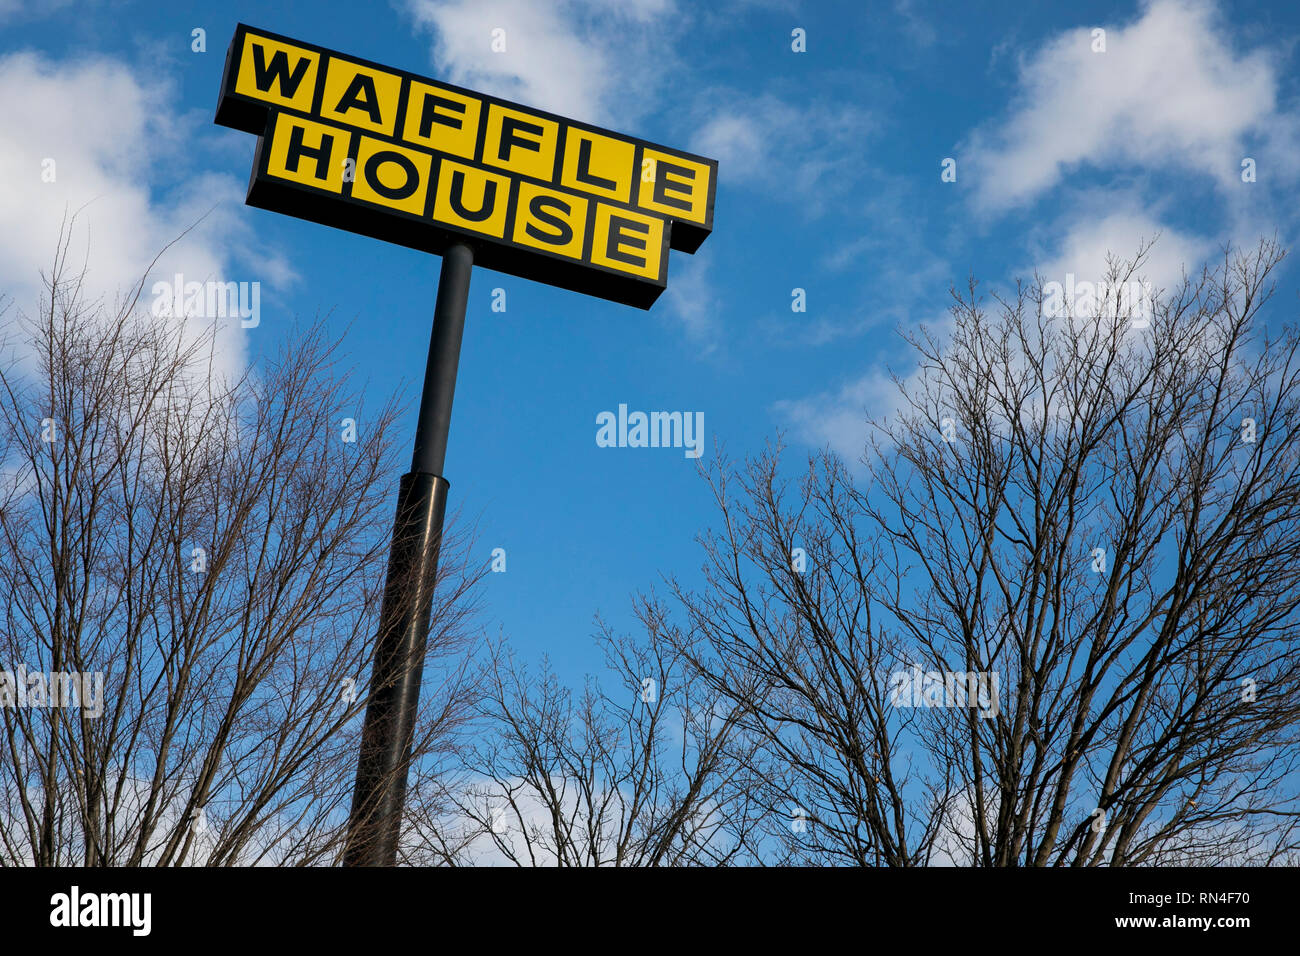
[1066, 143]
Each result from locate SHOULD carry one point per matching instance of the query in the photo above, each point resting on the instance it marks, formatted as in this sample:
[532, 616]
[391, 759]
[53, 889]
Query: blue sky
[829, 181]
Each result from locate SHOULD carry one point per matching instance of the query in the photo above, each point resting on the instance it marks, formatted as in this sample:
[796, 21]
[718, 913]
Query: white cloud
[1168, 92]
[106, 136]
[691, 297]
[917, 27]
[17, 9]
[837, 419]
[1088, 241]
[590, 59]
[736, 141]
[806, 153]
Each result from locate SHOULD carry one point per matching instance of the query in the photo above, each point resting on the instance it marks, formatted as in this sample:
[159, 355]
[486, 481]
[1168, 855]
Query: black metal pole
[388, 732]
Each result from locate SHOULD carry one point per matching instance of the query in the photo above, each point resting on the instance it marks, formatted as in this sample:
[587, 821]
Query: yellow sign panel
[277, 73]
[392, 176]
[598, 164]
[675, 186]
[411, 160]
[551, 220]
[627, 241]
[442, 120]
[520, 143]
[472, 198]
[358, 96]
[311, 154]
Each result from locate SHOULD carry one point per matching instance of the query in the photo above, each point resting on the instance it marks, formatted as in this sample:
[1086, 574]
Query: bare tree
[784, 631]
[213, 548]
[650, 773]
[1057, 624]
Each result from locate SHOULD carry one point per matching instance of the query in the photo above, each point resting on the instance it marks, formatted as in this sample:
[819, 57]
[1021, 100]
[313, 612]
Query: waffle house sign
[410, 160]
